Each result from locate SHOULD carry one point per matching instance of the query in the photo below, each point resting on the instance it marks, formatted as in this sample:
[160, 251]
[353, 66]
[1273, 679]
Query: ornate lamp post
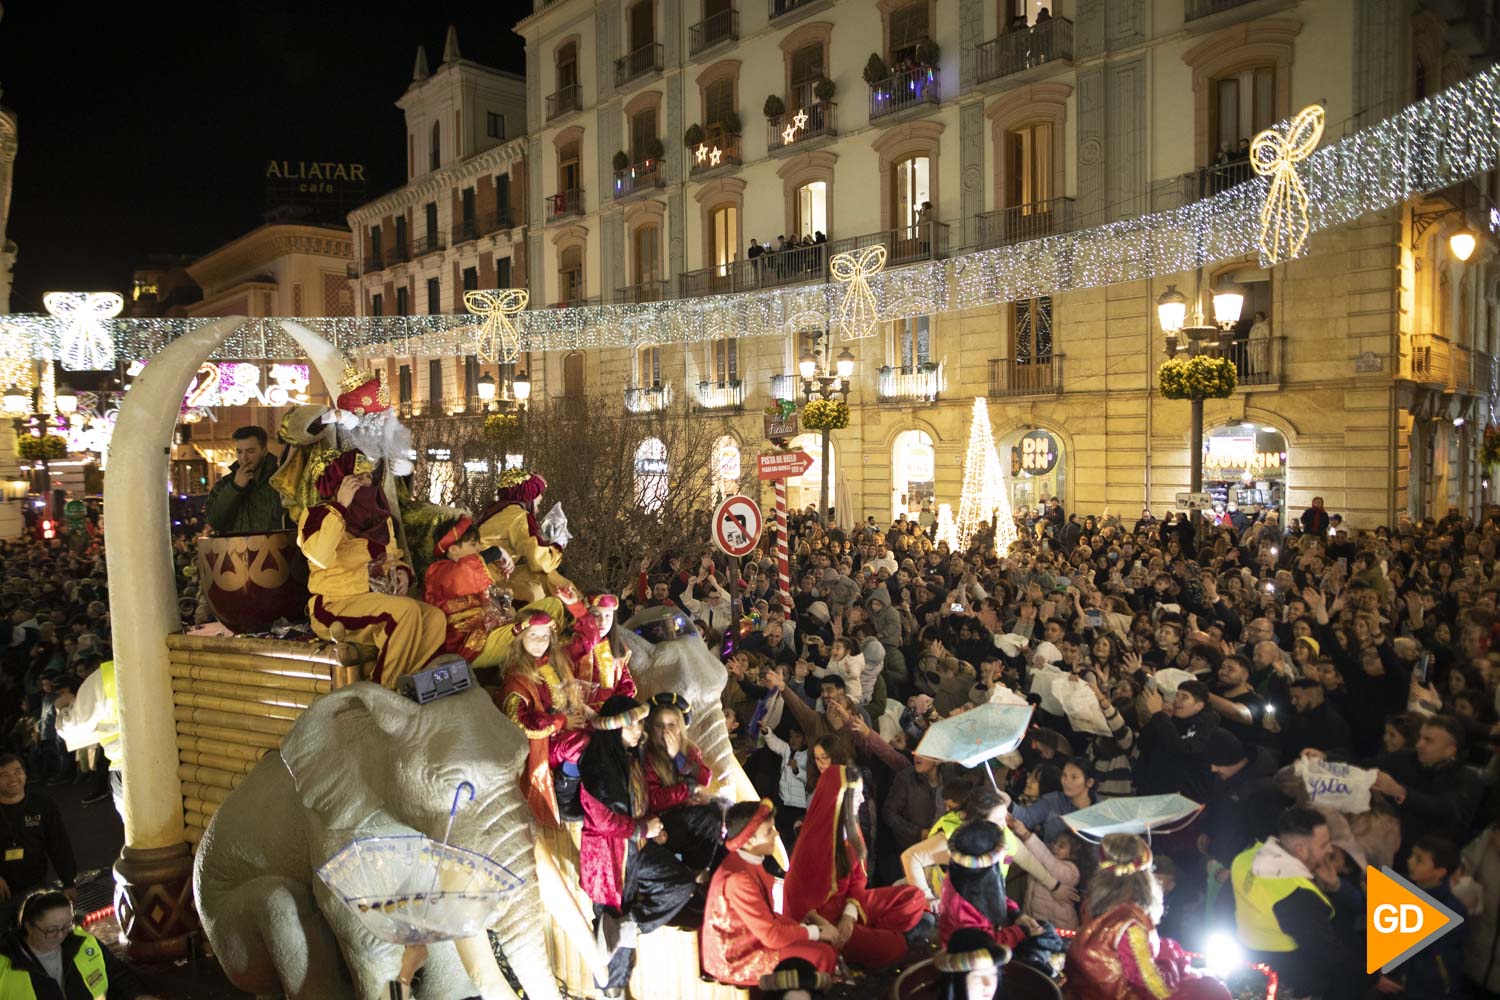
[823, 380]
[1202, 339]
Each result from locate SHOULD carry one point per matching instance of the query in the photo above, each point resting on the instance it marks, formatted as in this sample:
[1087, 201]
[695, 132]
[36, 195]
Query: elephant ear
[342, 752]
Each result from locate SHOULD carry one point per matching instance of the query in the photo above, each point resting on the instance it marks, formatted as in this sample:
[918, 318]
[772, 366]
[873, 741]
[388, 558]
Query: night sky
[146, 128]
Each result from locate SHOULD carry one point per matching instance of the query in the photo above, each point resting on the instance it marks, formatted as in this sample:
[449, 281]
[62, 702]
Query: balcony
[718, 151]
[1194, 9]
[785, 8]
[785, 386]
[567, 100]
[398, 254]
[721, 395]
[494, 222]
[429, 243]
[808, 120]
[1026, 377]
[904, 91]
[465, 231]
[904, 245]
[643, 176]
[351, 269]
[564, 205]
[721, 27]
[1021, 223]
[919, 384]
[644, 60]
[642, 291]
[770, 270]
[648, 399]
[1256, 362]
[1024, 49]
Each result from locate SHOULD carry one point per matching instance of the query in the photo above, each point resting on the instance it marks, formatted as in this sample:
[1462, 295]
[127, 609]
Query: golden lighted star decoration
[498, 340]
[799, 122]
[800, 119]
[86, 342]
[788, 134]
[701, 152]
[1275, 154]
[857, 314]
[713, 157]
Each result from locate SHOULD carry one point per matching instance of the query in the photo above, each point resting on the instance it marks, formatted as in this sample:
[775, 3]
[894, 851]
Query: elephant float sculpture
[365, 762]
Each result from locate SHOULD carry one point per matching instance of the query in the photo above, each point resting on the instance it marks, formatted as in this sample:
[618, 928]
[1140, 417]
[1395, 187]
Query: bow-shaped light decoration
[1283, 218]
[857, 314]
[86, 343]
[498, 339]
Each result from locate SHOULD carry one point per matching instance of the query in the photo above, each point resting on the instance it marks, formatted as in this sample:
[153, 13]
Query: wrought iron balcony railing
[920, 383]
[567, 99]
[1032, 221]
[721, 395]
[904, 91]
[642, 176]
[1026, 48]
[648, 399]
[644, 60]
[1026, 376]
[721, 27]
[903, 245]
[564, 204]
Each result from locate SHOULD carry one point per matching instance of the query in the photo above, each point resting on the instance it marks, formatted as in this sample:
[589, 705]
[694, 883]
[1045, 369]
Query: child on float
[458, 584]
[635, 882]
[677, 782]
[971, 966]
[827, 876]
[974, 891]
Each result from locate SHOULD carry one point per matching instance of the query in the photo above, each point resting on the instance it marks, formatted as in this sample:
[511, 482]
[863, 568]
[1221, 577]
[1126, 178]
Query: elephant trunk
[712, 736]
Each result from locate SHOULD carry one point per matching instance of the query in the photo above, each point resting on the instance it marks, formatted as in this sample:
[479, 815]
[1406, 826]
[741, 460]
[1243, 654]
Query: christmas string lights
[857, 313]
[86, 344]
[1439, 141]
[498, 340]
[983, 489]
[1283, 215]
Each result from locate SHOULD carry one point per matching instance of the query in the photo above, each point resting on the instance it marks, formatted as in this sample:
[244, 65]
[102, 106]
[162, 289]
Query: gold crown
[353, 378]
[513, 477]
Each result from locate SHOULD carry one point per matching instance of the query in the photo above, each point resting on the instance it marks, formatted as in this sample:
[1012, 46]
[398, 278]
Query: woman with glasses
[47, 958]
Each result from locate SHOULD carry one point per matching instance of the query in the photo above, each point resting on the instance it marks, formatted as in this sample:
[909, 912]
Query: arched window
[645, 255]
[435, 151]
[726, 466]
[1028, 156]
[651, 474]
[908, 26]
[812, 208]
[570, 273]
[718, 103]
[910, 189]
[724, 238]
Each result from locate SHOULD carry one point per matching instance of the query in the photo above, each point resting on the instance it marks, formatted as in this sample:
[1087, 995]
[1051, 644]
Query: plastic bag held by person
[554, 527]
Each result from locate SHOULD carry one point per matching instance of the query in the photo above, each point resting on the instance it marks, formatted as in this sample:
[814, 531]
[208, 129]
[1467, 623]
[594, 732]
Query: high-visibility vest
[1254, 899]
[946, 824]
[15, 984]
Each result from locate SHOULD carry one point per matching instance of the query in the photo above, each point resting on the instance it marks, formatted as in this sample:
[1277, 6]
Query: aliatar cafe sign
[314, 176]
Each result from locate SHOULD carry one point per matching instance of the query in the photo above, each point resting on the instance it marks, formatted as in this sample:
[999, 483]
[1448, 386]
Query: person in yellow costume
[357, 578]
[510, 523]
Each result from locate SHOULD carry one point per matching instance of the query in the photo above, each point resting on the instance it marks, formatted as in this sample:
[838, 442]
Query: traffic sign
[737, 524]
[1186, 500]
[783, 464]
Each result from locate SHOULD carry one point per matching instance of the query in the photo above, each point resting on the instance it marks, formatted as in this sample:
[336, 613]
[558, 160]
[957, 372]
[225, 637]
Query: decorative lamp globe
[844, 364]
[1462, 243]
[66, 400]
[521, 387]
[16, 400]
[486, 388]
[1229, 301]
[808, 366]
[1171, 310]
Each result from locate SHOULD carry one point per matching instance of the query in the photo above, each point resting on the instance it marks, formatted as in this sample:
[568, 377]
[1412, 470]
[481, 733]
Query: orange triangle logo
[1401, 920]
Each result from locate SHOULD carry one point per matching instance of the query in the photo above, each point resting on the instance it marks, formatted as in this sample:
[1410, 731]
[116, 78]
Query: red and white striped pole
[783, 564]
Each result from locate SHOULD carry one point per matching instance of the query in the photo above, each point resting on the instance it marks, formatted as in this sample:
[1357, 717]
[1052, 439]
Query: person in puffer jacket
[848, 664]
[886, 619]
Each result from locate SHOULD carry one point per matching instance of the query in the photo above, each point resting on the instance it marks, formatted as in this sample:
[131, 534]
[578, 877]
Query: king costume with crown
[510, 523]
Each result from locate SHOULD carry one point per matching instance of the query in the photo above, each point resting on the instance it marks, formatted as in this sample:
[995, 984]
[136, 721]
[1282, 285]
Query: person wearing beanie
[743, 938]
[636, 884]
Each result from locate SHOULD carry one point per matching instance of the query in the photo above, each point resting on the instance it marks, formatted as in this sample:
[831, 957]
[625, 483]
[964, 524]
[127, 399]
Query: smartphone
[1094, 617]
[956, 607]
[1270, 709]
[1420, 674]
[1342, 563]
[1270, 588]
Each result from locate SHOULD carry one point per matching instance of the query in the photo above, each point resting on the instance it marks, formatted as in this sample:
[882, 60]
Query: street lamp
[1462, 243]
[16, 400]
[486, 389]
[1202, 339]
[66, 400]
[520, 386]
[817, 382]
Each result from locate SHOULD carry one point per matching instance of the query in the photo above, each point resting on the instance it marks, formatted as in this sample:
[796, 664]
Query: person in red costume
[1117, 954]
[600, 656]
[458, 585]
[636, 884]
[678, 782]
[974, 891]
[541, 695]
[743, 937]
[827, 876]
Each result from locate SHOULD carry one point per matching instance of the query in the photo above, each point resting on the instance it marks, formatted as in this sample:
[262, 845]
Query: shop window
[651, 474]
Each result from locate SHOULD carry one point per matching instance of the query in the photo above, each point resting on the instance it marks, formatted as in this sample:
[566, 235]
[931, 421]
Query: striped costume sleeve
[1138, 963]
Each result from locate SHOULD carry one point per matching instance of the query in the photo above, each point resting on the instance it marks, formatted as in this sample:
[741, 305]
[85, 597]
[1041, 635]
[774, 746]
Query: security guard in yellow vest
[1284, 914]
[47, 958]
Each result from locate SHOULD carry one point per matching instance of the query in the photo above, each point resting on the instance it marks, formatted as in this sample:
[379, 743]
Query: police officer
[47, 958]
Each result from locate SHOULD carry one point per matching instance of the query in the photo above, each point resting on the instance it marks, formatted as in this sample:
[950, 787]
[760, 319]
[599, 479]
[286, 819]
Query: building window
[718, 102]
[375, 243]
[642, 132]
[434, 296]
[568, 171]
[403, 301]
[435, 150]
[494, 125]
[812, 208]
[651, 474]
[648, 366]
[573, 375]
[471, 279]
[471, 377]
[502, 195]
[570, 273]
[567, 65]
[645, 249]
[403, 382]
[908, 26]
[911, 343]
[435, 384]
[1028, 152]
[432, 225]
[910, 191]
[724, 235]
[401, 241]
[377, 305]
[1031, 331]
[1244, 104]
[502, 273]
[466, 206]
[913, 470]
[642, 25]
[807, 69]
[724, 360]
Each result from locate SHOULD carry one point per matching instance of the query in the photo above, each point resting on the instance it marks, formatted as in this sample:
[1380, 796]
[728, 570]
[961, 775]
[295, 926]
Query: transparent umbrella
[978, 735]
[1138, 814]
[412, 890]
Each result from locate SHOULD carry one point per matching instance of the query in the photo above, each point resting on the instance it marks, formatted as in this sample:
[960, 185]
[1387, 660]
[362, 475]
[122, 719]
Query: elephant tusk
[562, 906]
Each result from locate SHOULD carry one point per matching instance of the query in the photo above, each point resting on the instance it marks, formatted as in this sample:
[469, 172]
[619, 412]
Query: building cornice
[259, 247]
[439, 182]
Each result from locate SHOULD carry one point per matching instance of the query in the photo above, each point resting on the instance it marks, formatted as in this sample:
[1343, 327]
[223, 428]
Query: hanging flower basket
[498, 426]
[47, 447]
[1489, 449]
[1200, 377]
[825, 415]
